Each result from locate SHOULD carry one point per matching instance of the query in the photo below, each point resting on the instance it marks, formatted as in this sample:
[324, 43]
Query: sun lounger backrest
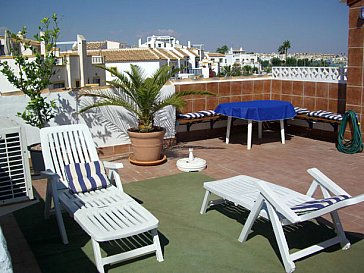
[67, 144]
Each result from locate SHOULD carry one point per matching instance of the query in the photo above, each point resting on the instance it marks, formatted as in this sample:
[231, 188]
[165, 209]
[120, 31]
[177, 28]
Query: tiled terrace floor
[269, 160]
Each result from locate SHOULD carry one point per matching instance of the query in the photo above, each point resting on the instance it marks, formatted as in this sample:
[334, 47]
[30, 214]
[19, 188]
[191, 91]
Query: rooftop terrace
[269, 160]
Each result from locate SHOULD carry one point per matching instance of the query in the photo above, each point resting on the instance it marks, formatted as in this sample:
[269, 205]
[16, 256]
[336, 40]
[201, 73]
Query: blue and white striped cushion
[318, 204]
[199, 114]
[84, 177]
[207, 113]
[325, 114]
[190, 115]
[301, 111]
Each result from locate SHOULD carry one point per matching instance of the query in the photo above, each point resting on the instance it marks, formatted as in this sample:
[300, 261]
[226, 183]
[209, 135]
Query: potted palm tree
[141, 96]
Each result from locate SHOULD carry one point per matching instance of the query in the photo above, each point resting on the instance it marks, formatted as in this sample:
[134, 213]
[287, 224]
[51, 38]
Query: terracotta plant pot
[146, 147]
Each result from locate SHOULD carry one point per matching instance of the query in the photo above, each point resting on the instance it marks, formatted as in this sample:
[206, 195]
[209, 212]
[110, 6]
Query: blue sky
[255, 25]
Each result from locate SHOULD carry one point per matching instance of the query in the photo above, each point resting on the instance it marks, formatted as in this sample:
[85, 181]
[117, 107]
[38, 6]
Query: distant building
[188, 56]
[233, 57]
[239, 56]
[214, 61]
[100, 45]
[79, 65]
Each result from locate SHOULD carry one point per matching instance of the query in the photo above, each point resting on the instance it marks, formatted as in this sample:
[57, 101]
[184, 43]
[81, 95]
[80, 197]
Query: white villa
[234, 56]
[79, 66]
[188, 56]
[240, 56]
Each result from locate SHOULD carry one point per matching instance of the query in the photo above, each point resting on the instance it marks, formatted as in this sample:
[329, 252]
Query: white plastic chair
[280, 206]
[105, 214]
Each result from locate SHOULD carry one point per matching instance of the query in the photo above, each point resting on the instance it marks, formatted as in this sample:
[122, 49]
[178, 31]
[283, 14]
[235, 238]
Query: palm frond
[139, 94]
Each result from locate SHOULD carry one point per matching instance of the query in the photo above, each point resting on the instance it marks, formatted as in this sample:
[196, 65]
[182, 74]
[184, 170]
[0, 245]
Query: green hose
[355, 144]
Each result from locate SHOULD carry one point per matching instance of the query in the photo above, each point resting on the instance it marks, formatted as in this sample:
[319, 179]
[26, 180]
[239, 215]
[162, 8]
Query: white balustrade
[324, 74]
[97, 60]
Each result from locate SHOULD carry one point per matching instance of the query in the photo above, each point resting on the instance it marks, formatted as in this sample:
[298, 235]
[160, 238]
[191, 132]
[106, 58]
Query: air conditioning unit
[15, 179]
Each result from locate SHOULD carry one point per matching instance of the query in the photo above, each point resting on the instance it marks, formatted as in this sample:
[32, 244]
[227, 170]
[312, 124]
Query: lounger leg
[253, 215]
[97, 255]
[158, 250]
[48, 200]
[228, 130]
[58, 211]
[344, 242]
[205, 202]
[281, 239]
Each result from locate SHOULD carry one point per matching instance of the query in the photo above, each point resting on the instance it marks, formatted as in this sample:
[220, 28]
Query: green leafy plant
[139, 94]
[35, 71]
[223, 49]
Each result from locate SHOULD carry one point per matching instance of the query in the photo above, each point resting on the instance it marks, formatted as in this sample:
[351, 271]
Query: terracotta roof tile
[193, 51]
[169, 54]
[215, 54]
[96, 45]
[130, 54]
[181, 52]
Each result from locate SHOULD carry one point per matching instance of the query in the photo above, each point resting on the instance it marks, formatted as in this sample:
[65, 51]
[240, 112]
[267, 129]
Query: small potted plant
[141, 96]
[34, 77]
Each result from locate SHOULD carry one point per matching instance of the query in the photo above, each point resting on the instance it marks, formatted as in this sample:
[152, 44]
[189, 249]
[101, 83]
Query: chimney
[140, 42]
[189, 44]
[82, 54]
[42, 44]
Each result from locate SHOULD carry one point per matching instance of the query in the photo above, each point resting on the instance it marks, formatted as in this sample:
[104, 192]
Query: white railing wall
[97, 60]
[324, 74]
[108, 125]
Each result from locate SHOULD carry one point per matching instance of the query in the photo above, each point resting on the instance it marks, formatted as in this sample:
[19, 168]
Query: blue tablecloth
[258, 110]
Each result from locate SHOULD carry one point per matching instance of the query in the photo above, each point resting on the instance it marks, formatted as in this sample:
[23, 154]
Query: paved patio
[269, 160]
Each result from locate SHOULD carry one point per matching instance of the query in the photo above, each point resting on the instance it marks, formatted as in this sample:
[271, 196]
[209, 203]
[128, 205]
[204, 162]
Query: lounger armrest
[54, 178]
[326, 182]
[112, 165]
[50, 175]
[276, 203]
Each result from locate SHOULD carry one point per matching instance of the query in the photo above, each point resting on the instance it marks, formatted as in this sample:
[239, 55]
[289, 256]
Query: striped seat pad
[325, 114]
[301, 111]
[199, 114]
[87, 176]
[318, 204]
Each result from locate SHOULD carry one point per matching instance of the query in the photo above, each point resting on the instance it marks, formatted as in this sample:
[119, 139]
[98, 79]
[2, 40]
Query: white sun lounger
[283, 206]
[105, 214]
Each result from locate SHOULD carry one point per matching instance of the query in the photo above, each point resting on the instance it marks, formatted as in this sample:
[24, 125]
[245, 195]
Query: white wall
[112, 45]
[108, 125]
[5, 85]
[149, 67]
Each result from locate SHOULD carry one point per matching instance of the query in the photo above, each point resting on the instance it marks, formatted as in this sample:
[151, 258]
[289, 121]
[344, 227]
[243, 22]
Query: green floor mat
[191, 242]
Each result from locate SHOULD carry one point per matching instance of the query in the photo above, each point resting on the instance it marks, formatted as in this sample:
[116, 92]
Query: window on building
[96, 80]
[58, 85]
[221, 60]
